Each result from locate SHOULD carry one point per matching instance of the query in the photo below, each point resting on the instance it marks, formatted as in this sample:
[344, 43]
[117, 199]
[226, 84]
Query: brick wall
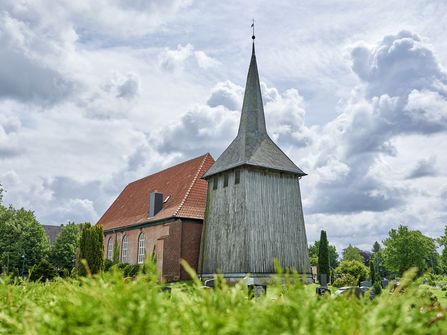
[153, 242]
[191, 233]
[172, 252]
[172, 241]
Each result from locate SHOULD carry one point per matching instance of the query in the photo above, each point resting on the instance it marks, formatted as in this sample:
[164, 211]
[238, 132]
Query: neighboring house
[160, 215]
[52, 232]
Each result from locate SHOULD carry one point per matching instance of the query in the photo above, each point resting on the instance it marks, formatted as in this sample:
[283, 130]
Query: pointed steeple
[252, 145]
[252, 116]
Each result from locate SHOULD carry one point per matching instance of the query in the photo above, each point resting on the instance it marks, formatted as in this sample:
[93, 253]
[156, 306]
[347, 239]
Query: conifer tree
[323, 257]
[376, 247]
[91, 249]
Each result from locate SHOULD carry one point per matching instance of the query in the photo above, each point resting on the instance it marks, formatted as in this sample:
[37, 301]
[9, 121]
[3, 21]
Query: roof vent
[155, 203]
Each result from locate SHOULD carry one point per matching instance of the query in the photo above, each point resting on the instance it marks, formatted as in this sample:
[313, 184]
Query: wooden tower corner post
[254, 213]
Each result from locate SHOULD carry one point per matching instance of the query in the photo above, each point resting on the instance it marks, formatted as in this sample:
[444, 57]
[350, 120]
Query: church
[233, 216]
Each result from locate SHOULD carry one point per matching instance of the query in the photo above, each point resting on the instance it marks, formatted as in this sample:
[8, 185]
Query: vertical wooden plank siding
[249, 224]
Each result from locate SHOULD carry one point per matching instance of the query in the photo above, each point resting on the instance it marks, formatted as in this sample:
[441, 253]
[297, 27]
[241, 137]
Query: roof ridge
[166, 169]
[192, 183]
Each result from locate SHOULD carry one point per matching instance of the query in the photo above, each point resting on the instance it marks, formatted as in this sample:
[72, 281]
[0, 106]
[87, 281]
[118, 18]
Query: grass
[111, 304]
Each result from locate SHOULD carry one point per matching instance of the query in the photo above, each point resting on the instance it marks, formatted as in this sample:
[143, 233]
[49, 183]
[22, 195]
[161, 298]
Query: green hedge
[110, 304]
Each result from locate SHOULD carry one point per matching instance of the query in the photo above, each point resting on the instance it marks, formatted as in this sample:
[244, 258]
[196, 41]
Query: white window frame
[124, 248]
[141, 249]
[110, 248]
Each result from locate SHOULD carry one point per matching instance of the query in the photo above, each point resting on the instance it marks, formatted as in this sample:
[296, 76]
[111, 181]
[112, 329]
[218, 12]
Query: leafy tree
[352, 254]
[323, 257]
[313, 253]
[91, 248]
[406, 248]
[442, 241]
[333, 255]
[354, 268]
[63, 253]
[23, 242]
[116, 251]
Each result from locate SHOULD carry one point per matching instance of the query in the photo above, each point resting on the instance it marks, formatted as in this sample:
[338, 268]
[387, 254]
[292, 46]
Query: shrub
[377, 287]
[354, 268]
[128, 270]
[131, 270]
[108, 264]
[43, 271]
[345, 279]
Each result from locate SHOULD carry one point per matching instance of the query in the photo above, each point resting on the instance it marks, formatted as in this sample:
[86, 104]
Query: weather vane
[253, 26]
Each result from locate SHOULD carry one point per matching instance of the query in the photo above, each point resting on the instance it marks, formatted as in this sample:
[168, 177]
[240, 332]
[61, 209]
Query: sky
[96, 94]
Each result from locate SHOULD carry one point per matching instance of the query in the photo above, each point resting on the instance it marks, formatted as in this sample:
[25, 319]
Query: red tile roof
[184, 193]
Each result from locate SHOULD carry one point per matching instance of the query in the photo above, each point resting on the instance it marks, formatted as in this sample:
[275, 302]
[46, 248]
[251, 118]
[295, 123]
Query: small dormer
[155, 203]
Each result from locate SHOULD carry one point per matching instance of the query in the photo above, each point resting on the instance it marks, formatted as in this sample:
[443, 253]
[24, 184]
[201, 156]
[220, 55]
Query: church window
[141, 250]
[226, 179]
[124, 247]
[110, 248]
[237, 176]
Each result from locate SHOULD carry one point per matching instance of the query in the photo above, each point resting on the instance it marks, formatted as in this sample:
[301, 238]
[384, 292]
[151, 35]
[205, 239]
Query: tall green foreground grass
[109, 304]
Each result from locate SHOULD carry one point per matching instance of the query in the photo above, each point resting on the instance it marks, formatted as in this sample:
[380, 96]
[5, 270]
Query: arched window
[110, 249]
[141, 250]
[124, 245]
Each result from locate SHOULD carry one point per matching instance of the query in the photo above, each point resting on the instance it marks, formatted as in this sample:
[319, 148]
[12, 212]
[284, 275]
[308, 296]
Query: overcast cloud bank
[89, 103]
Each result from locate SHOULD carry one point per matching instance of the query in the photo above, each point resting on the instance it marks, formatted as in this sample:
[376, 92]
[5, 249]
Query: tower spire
[252, 145]
[252, 121]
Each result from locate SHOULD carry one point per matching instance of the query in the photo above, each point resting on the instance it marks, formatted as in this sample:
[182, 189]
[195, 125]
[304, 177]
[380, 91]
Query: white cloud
[285, 114]
[23, 74]
[400, 77]
[397, 65]
[424, 168]
[204, 61]
[217, 122]
[177, 59]
[98, 18]
[226, 94]
[428, 107]
[10, 125]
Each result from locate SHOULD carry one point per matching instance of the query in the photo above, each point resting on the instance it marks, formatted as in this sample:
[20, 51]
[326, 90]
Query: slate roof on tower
[252, 145]
[184, 194]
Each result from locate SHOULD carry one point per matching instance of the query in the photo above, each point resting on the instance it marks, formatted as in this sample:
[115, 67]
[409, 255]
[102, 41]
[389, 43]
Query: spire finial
[253, 26]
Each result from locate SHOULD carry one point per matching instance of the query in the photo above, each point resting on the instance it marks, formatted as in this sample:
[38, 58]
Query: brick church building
[253, 207]
[161, 214]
